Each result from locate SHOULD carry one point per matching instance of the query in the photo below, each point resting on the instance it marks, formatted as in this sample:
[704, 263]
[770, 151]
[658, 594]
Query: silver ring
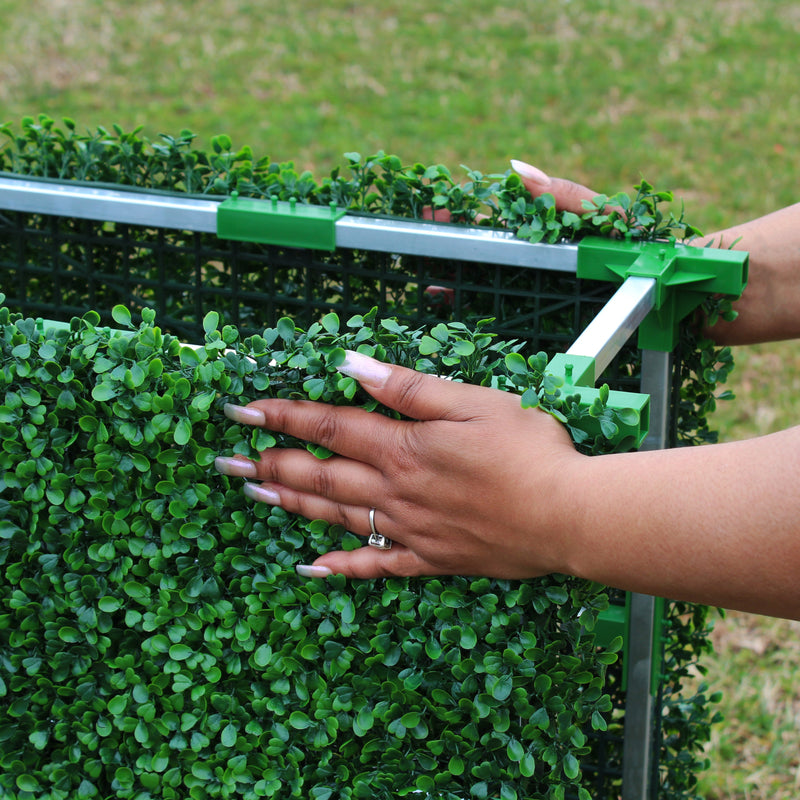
[376, 539]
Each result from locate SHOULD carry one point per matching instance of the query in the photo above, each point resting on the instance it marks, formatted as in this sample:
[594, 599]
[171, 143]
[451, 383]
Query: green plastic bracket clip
[578, 375]
[684, 277]
[278, 222]
[615, 621]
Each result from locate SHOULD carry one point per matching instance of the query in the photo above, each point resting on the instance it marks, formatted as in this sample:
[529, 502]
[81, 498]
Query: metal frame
[601, 340]
[166, 210]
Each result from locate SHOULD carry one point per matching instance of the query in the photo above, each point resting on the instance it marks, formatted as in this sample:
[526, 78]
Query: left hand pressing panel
[472, 484]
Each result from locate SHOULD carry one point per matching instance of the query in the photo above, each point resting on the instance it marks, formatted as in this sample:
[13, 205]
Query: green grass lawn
[699, 96]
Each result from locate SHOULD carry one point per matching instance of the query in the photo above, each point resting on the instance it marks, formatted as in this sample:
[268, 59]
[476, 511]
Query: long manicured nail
[237, 467]
[531, 172]
[261, 494]
[244, 415]
[365, 370]
[311, 571]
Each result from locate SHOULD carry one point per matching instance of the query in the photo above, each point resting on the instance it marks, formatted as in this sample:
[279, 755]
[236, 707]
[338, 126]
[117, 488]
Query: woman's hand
[769, 308]
[473, 484]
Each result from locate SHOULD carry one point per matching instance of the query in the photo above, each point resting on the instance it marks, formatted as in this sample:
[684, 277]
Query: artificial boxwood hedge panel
[155, 640]
[118, 452]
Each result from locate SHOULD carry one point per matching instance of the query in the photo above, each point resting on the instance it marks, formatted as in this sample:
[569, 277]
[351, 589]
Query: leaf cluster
[155, 640]
[375, 184]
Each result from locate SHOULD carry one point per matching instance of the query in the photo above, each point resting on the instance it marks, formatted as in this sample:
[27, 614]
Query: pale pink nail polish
[530, 172]
[365, 370]
[244, 415]
[236, 467]
[262, 494]
[311, 571]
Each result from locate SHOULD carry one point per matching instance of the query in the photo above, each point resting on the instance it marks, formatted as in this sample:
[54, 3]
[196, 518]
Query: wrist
[570, 522]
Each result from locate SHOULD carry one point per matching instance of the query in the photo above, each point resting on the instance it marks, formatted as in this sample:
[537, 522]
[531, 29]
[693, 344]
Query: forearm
[718, 525]
[769, 309]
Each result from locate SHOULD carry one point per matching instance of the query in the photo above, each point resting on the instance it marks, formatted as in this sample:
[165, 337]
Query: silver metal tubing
[437, 240]
[639, 717]
[637, 766]
[657, 381]
[111, 205]
[613, 326]
[405, 237]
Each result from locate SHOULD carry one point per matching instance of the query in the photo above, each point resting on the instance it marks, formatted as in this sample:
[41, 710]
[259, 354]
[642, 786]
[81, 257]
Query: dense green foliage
[377, 184]
[155, 640]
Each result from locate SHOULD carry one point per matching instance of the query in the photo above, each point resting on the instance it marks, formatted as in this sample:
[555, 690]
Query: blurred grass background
[698, 96]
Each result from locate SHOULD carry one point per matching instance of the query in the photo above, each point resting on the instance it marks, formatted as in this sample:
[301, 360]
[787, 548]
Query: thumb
[415, 394]
[569, 196]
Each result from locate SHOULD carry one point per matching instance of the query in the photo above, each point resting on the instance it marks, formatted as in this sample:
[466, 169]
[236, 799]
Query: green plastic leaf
[330, 322]
[516, 364]
[183, 432]
[229, 735]
[122, 316]
[27, 783]
[210, 322]
[180, 652]
[571, 766]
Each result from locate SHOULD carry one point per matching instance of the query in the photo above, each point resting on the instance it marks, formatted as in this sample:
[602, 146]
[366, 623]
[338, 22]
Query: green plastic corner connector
[684, 277]
[278, 222]
[578, 375]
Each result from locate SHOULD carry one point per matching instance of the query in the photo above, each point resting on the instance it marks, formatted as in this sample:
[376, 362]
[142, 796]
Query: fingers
[569, 196]
[368, 563]
[358, 434]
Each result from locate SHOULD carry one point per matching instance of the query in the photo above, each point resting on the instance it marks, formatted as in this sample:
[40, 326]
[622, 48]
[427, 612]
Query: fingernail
[237, 467]
[311, 571]
[261, 494]
[243, 414]
[364, 369]
[530, 172]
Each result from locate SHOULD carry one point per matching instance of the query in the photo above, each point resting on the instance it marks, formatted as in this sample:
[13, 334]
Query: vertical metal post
[637, 767]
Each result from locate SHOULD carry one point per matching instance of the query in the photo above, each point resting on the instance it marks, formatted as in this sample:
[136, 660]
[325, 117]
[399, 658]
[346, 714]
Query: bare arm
[769, 308]
[717, 524]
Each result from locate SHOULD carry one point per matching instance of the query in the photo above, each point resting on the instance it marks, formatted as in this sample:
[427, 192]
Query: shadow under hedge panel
[155, 639]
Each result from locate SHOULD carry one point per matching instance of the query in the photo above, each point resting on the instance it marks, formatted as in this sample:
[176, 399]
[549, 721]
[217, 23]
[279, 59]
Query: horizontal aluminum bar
[406, 237]
[437, 240]
[111, 205]
[616, 322]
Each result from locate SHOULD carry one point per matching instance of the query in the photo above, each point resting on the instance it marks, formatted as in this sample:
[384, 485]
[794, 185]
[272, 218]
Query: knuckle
[410, 387]
[408, 452]
[321, 481]
[325, 431]
[345, 516]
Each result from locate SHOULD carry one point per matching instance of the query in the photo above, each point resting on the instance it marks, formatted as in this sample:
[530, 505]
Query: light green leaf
[122, 316]
[210, 322]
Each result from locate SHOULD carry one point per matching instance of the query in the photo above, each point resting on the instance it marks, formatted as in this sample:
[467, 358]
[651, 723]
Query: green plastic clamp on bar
[578, 374]
[278, 222]
[684, 277]
[615, 621]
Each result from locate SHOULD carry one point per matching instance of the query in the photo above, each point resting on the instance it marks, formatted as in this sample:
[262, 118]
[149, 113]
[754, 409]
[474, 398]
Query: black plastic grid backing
[56, 268]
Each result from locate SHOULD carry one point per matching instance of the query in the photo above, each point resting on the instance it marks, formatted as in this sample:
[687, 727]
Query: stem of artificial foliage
[154, 638]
